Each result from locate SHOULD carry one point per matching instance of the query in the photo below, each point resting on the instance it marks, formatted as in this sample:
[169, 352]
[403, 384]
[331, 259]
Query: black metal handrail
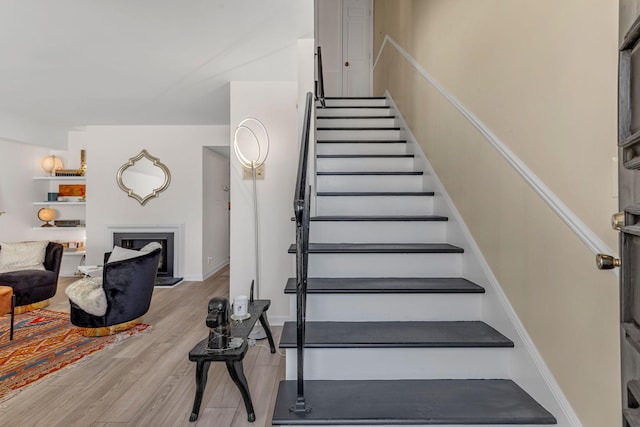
[301, 204]
[320, 79]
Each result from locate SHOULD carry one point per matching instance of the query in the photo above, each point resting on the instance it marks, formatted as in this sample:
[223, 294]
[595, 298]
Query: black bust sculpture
[218, 323]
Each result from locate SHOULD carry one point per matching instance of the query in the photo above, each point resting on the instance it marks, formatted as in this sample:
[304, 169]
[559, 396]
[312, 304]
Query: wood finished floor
[148, 380]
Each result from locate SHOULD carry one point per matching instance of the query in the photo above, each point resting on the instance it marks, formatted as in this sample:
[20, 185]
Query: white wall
[215, 216]
[180, 149]
[274, 104]
[19, 163]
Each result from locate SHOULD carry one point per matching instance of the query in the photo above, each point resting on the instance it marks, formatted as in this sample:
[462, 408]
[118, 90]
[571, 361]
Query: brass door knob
[607, 262]
[617, 221]
[346, 64]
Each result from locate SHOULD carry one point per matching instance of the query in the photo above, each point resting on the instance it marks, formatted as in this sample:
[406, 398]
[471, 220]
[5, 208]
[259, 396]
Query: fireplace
[168, 235]
[133, 240]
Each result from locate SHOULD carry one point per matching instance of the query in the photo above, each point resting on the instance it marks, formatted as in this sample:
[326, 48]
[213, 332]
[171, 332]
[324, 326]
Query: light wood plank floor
[147, 380]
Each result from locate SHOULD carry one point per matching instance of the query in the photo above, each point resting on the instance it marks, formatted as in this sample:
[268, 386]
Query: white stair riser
[369, 182]
[365, 164]
[384, 265]
[333, 112]
[375, 205]
[353, 122]
[360, 148]
[355, 102]
[378, 231]
[357, 135]
[391, 307]
[400, 363]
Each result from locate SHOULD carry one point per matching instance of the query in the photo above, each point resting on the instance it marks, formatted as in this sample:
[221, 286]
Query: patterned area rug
[44, 342]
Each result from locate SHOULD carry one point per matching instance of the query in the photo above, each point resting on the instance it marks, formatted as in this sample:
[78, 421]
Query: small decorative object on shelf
[46, 215]
[51, 164]
[68, 172]
[72, 246]
[74, 172]
[69, 191]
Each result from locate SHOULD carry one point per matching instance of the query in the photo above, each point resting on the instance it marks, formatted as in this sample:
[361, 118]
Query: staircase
[393, 335]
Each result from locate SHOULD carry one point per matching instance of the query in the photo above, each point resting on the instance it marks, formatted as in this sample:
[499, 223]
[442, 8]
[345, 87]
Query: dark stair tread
[355, 117]
[632, 416]
[377, 402]
[358, 128]
[375, 193]
[330, 285]
[354, 97]
[366, 156]
[361, 141]
[379, 248]
[353, 106]
[389, 173]
[416, 334]
[380, 218]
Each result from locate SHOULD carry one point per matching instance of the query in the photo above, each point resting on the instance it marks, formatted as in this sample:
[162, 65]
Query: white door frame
[327, 50]
[370, 47]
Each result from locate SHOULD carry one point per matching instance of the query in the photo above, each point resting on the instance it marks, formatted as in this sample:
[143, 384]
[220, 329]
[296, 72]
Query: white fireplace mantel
[176, 229]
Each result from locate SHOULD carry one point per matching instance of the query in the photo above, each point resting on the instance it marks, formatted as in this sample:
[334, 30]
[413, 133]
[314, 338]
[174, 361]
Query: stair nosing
[361, 141]
[347, 285]
[375, 194]
[354, 97]
[366, 156]
[380, 218]
[354, 106]
[358, 128]
[390, 173]
[354, 117]
[380, 248]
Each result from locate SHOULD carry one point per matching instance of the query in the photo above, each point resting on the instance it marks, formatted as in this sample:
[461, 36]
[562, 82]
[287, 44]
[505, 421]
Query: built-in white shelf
[60, 178]
[54, 228]
[74, 253]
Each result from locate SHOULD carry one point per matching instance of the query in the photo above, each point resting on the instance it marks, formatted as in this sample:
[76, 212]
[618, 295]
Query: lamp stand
[257, 333]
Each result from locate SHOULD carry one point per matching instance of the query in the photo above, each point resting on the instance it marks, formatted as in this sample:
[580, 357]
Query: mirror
[143, 177]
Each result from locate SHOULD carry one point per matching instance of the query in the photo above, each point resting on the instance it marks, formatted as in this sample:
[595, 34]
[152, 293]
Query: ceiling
[142, 62]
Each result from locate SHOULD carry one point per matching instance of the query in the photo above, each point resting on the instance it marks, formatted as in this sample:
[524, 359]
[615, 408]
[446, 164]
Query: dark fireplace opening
[135, 240]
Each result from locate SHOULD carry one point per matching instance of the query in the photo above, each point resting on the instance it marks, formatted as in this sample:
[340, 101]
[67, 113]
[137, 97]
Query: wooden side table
[231, 357]
[8, 305]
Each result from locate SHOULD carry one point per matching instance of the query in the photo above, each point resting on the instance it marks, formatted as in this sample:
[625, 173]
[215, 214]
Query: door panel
[629, 198]
[356, 47]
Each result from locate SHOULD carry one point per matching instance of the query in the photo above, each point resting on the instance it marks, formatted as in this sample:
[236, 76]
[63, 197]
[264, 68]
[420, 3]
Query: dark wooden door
[628, 220]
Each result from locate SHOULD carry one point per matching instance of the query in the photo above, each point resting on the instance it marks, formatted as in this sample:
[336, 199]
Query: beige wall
[542, 75]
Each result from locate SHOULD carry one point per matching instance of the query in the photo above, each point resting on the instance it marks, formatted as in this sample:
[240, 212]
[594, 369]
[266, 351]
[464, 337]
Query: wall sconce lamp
[51, 163]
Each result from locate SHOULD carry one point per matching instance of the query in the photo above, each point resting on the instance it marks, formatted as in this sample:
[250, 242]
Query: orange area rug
[44, 342]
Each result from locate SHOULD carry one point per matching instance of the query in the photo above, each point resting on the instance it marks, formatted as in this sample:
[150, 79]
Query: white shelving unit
[71, 258]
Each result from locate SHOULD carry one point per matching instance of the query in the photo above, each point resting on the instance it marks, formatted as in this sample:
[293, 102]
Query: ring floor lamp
[260, 137]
